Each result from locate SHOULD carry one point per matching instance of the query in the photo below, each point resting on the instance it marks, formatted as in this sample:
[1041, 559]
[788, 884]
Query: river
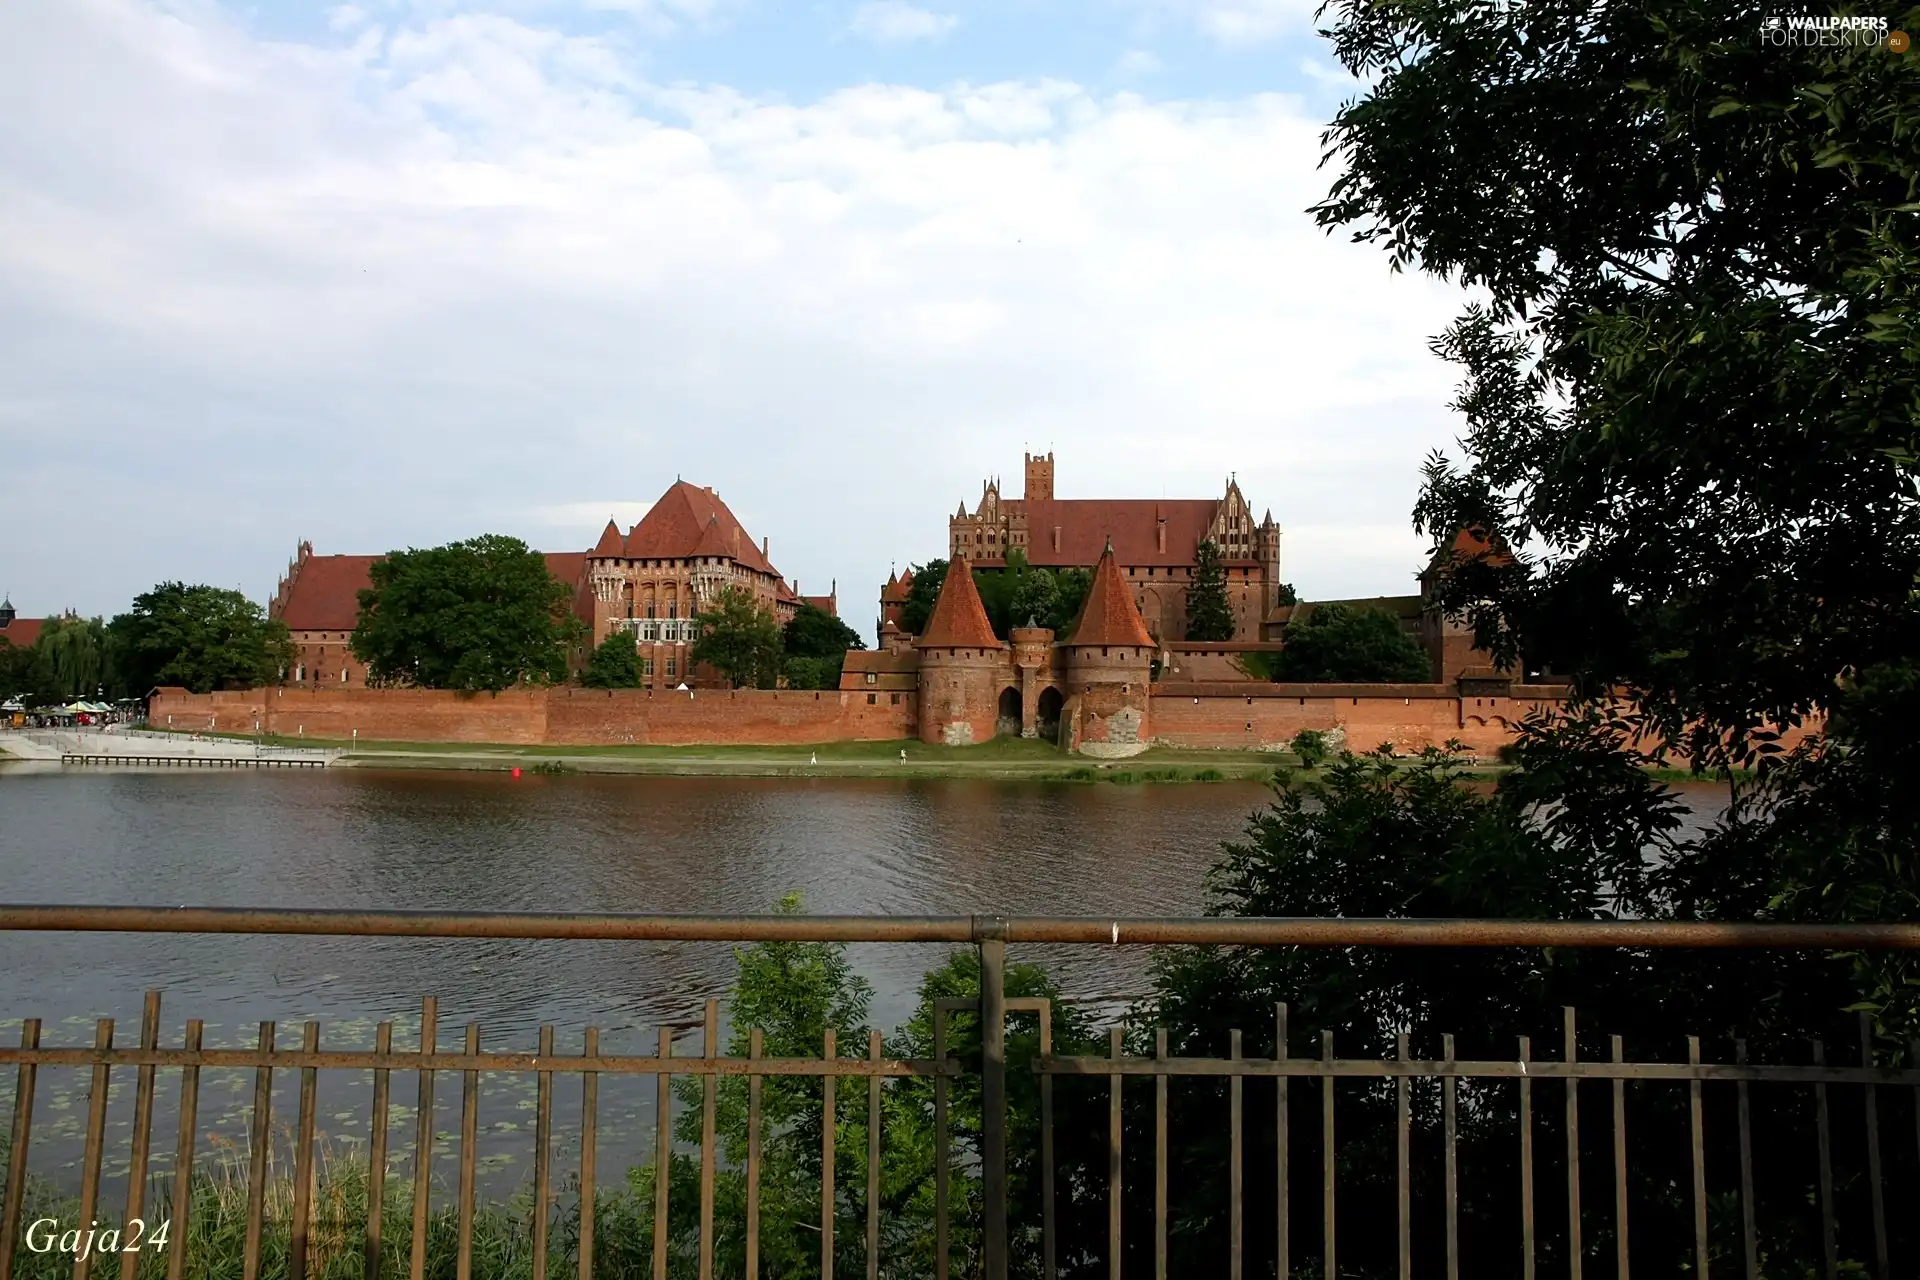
[358, 838]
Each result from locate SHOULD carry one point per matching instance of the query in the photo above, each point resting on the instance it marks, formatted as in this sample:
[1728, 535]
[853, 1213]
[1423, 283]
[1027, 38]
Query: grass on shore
[1002, 758]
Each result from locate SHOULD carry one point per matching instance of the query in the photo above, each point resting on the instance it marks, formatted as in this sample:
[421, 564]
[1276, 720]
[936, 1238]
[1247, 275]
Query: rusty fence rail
[1445, 1101]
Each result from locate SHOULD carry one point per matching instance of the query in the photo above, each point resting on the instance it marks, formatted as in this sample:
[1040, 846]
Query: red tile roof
[829, 605]
[611, 545]
[325, 594]
[1108, 616]
[676, 527]
[1132, 525]
[959, 619]
[895, 592]
[22, 632]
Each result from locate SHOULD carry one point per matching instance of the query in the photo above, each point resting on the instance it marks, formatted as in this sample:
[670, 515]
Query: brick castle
[1119, 681]
[646, 582]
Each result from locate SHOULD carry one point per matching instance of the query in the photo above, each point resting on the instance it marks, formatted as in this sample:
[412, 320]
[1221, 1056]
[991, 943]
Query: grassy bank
[216, 1226]
[1007, 759]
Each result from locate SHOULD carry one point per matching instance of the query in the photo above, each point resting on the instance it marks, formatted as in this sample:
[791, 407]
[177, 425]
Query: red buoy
[516, 771]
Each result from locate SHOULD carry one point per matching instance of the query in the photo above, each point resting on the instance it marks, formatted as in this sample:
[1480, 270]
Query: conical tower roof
[611, 545]
[959, 619]
[1108, 615]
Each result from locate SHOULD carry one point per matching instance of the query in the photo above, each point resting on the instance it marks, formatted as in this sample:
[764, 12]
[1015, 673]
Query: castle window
[872, 678]
[343, 675]
[893, 699]
[300, 672]
[646, 667]
[669, 666]
[872, 699]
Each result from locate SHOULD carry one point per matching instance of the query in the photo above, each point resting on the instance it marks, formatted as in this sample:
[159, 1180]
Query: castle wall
[960, 694]
[1107, 717]
[566, 715]
[1410, 717]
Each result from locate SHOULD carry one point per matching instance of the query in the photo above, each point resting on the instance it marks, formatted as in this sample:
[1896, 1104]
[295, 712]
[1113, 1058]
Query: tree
[1209, 613]
[790, 993]
[739, 639]
[80, 659]
[1345, 644]
[928, 578]
[1036, 599]
[614, 664]
[1374, 835]
[481, 614]
[816, 643]
[200, 638]
[1071, 587]
[24, 674]
[812, 632]
[1690, 394]
[1286, 595]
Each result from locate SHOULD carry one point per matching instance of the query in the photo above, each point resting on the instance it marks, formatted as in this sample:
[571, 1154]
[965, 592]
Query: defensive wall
[561, 716]
[1230, 714]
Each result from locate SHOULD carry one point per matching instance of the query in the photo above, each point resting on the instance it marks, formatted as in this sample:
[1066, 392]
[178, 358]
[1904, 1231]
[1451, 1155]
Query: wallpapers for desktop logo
[1830, 31]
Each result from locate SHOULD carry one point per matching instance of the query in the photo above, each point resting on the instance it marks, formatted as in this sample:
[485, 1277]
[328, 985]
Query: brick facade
[1155, 543]
[648, 582]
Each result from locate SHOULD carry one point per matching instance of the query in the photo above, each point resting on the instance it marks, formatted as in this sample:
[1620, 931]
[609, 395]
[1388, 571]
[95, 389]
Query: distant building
[648, 582]
[17, 631]
[1155, 543]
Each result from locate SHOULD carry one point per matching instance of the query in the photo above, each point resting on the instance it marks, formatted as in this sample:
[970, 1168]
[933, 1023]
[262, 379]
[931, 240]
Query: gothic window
[669, 668]
[646, 667]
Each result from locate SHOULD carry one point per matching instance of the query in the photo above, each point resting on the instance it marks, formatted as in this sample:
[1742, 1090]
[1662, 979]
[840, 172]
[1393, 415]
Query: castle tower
[1109, 665]
[965, 669]
[608, 580]
[1033, 664]
[1039, 478]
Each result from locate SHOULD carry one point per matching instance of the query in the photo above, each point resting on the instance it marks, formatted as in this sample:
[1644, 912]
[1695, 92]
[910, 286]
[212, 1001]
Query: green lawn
[1001, 758]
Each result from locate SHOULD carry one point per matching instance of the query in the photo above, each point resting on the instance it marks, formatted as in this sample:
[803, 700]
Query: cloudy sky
[403, 271]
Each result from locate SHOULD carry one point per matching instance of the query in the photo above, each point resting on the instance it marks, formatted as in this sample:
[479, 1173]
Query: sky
[399, 272]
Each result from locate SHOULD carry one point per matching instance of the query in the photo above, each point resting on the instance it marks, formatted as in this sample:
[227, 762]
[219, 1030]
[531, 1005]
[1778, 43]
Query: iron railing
[991, 1157]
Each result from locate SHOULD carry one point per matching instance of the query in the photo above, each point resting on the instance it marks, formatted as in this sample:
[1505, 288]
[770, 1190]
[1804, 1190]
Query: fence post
[991, 933]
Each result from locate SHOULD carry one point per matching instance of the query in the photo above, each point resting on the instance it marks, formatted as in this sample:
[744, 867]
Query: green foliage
[814, 633]
[481, 614]
[1035, 597]
[1209, 613]
[816, 644]
[614, 663]
[1693, 392]
[791, 993]
[24, 674]
[200, 638]
[1342, 643]
[928, 578]
[813, 673]
[739, 639]
[1286, 595]
[1576, 834]
[1692, 398]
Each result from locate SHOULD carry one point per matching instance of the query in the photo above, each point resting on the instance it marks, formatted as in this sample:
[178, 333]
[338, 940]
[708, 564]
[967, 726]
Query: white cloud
[897, 22]
[447, 281]
[1241, 23]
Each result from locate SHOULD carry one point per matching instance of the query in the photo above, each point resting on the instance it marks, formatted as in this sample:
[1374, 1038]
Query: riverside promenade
[127, 747]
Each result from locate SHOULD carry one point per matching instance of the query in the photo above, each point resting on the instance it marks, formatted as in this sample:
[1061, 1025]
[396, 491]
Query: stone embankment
[117, 746]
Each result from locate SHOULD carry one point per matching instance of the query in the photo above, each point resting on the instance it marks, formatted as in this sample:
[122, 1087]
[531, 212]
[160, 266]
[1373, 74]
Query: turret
[963, 665]
[1109, 664]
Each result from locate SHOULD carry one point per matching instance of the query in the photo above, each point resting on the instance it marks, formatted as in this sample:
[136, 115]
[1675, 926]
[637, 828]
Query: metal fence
[987, 1164]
